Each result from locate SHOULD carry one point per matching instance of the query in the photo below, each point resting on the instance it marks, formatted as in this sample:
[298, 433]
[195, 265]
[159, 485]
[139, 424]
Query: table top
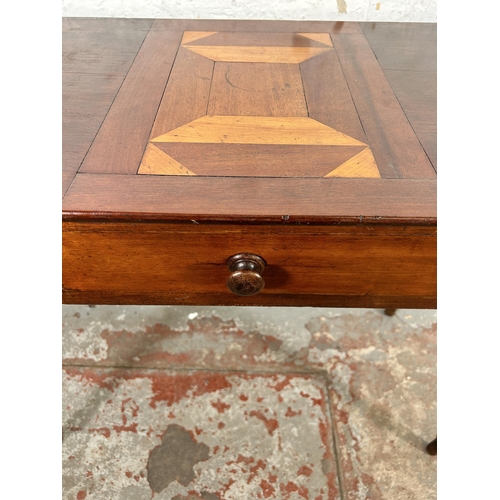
[261, 121]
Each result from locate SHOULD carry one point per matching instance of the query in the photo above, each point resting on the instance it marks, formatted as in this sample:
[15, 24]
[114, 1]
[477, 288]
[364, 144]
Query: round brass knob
[245, 277]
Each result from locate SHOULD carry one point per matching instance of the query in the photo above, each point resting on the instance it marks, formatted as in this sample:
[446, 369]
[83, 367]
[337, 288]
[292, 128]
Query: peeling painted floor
[233, 403]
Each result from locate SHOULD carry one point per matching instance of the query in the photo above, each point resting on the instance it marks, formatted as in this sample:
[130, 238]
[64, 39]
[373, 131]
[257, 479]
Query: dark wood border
[237, 198]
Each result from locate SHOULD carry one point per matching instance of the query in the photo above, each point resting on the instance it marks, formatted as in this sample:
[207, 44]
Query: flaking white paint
[356, 10]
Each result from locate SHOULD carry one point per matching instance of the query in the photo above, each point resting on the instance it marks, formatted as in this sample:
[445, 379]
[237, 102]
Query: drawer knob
[245, 277]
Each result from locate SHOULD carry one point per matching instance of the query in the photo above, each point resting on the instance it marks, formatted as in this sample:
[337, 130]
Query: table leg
[432, 447]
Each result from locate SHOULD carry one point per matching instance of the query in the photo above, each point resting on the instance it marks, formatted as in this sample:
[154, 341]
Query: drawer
[168, 263]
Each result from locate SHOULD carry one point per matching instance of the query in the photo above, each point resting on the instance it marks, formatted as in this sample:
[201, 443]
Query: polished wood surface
[96, 58]
[120, 143]
[253, 199]
[407, 54]
[178, 263]
[189, 126]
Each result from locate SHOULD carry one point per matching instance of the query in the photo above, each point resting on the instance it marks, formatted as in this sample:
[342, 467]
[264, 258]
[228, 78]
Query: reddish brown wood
[109, 52]
[94, 66]
[209, 198]
[394, 143]
[106, 24]
[85, 102]
[257, 89]
[120, 144]
[416, 92]
[253, 160]
[328, 98]
[185, 260]
[403, 46]
[162, 298]
[407, 54]
[187, 92]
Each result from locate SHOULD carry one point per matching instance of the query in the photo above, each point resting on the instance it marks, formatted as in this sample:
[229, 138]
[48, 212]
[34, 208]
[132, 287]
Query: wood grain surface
[122, 138]
[97, 53]
[361, 165]
[403, 46]
[394, 143]
[246, 39]
[418, 98]
[184, 261]
[328, 98]
[181, 198]
[104, 24]
[258, 130]
[258, 54]
[256, 160]
[86, 99]
[407, 53]
[276, 92]
[187, 92]
[156, 161]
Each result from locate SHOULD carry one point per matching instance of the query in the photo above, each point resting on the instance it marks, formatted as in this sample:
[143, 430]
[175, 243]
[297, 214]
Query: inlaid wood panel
[306, 101]
[271, 40]
[250, 89]
[156, 161]
[260, 160]
[284, 48]
[257, 130]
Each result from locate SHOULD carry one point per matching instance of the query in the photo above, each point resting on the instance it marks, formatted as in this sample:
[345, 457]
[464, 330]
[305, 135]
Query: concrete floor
[219, 403]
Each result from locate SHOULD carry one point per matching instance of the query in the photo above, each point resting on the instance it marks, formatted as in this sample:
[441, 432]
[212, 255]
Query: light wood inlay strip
[318, 37]
[191, 36]
[229, 39]
[361, 165]
[257, 130]
[159, 163]
[287, 55]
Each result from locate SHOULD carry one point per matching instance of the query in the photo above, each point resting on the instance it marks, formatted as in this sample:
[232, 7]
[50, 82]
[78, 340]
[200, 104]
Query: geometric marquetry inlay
[238, 107]
[258, 130]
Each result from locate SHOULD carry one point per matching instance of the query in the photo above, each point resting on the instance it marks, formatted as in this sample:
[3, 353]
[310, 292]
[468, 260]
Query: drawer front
[154, 263]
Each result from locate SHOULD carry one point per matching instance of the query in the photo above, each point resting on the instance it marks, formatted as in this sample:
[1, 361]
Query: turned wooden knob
[245, 277]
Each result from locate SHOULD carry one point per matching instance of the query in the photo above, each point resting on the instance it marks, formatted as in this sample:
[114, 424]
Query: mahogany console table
[304, 151]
